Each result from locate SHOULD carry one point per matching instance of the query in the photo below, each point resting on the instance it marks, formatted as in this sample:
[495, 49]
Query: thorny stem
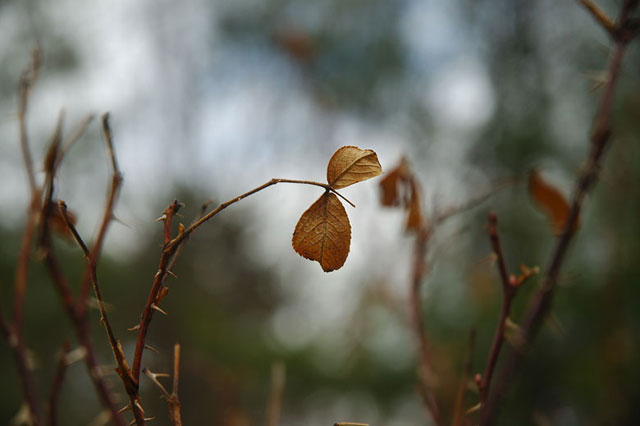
[169, 251]
[130, 385]
[600, 137]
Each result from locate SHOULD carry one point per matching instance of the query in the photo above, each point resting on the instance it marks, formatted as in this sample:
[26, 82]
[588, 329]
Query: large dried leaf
[350, 165]
[551, 200]
[323, 233]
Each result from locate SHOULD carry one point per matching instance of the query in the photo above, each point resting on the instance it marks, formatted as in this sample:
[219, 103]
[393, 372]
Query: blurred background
[212, 98]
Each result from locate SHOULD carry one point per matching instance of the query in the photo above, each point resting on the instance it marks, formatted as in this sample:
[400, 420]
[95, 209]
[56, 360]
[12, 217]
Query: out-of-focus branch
[54, 394]
[14, 333]
[27, 81]
[509, 287]
[112, 199]
[599, 15]
[600, 137]
[274, 406]
[458, 408]
[425, 373]
[24, 370]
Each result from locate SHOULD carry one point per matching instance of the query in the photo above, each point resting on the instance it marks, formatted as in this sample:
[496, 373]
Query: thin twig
[458, 410]
[24, 370]
[495, 187]
[508, 292]
[425, 372]
[600, 136]
[112, 199]
[56, 386]
[173, 402]
[130, 385]
[14, 333]
[599, 15]
[274, 405]
[75, 136]
[27, 81]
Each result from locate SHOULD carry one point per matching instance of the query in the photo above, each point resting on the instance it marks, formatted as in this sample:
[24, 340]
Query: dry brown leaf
[414, 215]
[389, 188]
[350, 165]
[400, 188]
[323, 233]
[393, 185]
[551, 200]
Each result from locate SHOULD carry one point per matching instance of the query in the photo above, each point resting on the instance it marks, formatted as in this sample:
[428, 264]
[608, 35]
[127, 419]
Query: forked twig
[509, 287]
[173, 401]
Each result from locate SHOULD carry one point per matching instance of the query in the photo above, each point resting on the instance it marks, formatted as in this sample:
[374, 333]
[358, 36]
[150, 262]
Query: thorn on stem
[157, 308]
[123, 409]
[151, 348]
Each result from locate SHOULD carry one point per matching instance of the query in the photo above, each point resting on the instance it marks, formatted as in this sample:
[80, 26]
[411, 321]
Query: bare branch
[600, 136]
[278, 377]
[458, 410]
[508, 292]
[27, 81]
[425, 373]
[54, 394]
[130, 385]
[599, 15]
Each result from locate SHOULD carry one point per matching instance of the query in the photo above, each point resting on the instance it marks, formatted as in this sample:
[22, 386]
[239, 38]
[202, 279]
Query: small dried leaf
[389, 188]
[323, 233]
[414, 217]
[551, 200]
[350, 165]
[394, 184]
